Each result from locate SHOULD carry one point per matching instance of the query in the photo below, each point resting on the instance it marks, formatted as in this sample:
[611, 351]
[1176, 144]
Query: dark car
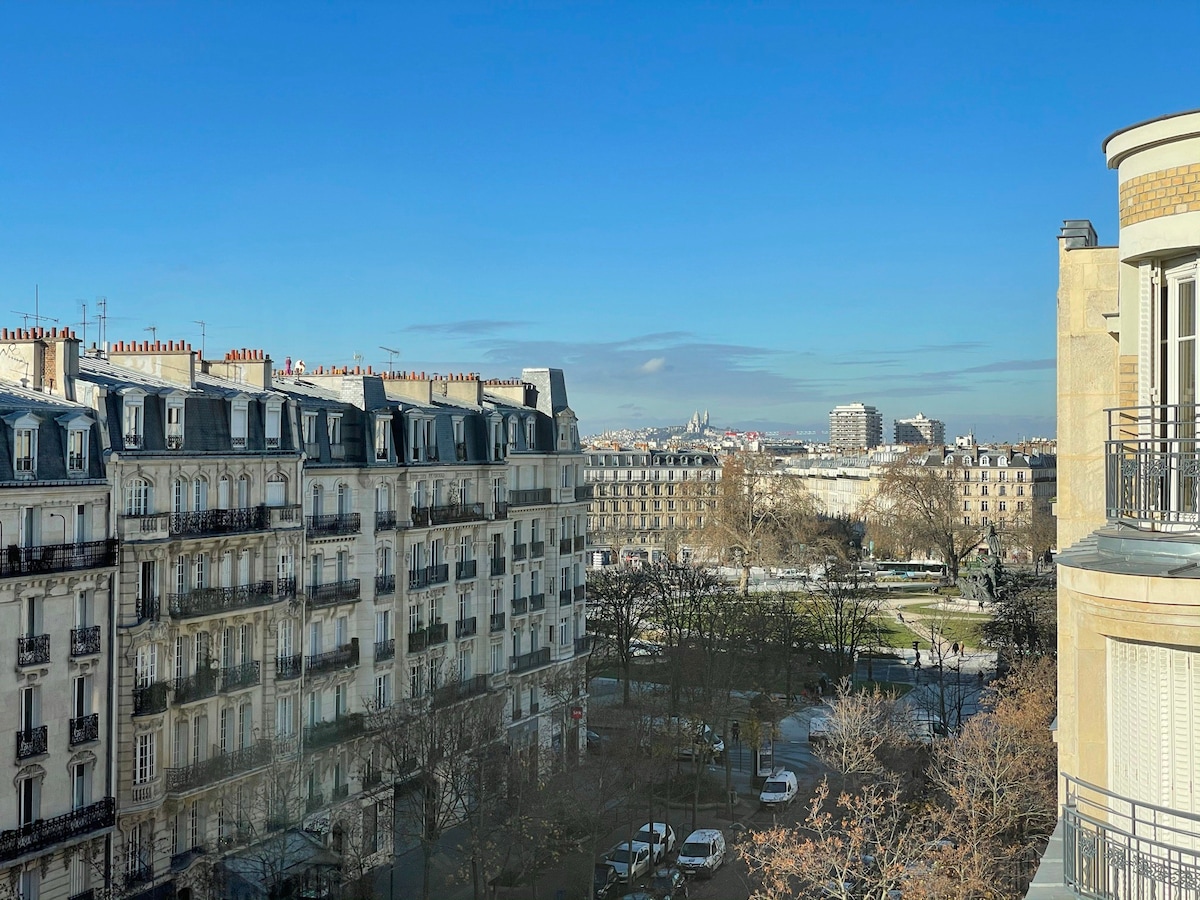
[596, 743]
[605, 882]
[669, 884]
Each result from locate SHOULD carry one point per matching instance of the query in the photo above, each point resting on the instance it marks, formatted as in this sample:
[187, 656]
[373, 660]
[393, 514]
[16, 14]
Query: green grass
[937, 609]
[963, 628]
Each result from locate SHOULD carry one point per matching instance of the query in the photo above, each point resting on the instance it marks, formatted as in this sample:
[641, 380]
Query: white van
[780, 790]
[702, 853]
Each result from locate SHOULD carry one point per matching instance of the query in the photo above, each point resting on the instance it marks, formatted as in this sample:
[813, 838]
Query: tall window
[144, 762]
[25, 452]
[239, 423]
[77, 451]
[174, 423]
[137, 497]
[133, 419]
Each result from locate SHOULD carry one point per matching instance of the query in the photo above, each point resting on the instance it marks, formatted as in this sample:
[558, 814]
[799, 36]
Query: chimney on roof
[252, 367]
[1077, 234]
[172, 361]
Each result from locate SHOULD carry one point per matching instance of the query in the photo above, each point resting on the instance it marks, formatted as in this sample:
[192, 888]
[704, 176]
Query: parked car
[605, 882]
[661, 838]
[596, 743]
[631, 861]
[779, 790]
[702, 853]
[669, 884]
[820, 727]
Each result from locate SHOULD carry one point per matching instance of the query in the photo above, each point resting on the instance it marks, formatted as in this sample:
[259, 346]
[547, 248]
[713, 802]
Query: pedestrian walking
[954, 649]
[901, 616]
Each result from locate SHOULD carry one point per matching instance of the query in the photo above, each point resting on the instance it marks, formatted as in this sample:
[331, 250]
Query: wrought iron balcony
[340, 791]
[289, 667]
[460, 690]
[439, 633]
[501, 511]
[33, 649]
[201, 685]
[418, 640]
[84, 729]
[246, 675]
[285, 589]
[497, 623]
[531, 660]
[583, 644]
[385, 519]
[85, 641]
[580, 542]
[564, 545]
[499, 566]
[31, 742]
[583, 492]
[219, 521]
[146, 609]
[344, 727]
[564, 597]
[52, 832]
[464, 628]
[49, 558]
[213, 600]
[1117, 847]
[418, 578]
[347, 591]
[344, 656]
[455, 513]
[332, 525]
[519, 552]
[420, 517]
[384, 585]
[580, 592]
[465, 569]
[530, 497]
[219, 766]
[439, 574]
[520, 605]
[385, 650]
[314, 801]
[150, 699]
[537, 549]
[1152, 459]
[536, 602]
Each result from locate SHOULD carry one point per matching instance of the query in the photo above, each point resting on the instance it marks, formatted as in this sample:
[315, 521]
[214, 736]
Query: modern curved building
[1129, 522]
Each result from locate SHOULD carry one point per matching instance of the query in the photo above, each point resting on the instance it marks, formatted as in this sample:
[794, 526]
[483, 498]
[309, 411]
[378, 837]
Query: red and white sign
[576, 712]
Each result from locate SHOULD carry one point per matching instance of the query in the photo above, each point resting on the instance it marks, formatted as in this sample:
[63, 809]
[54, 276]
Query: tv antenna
[203, 333]
[153, 329]
[36, 315]
[392, 354]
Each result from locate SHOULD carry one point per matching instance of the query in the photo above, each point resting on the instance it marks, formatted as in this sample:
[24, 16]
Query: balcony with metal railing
[496, 623]
[583, 492]
[499, 566]
[580, 592]
[332, 525]
[465, 570]
[85, 641]
[31, 742]
[537, 602]
[1152, 464]
[219, 766]
[454, 514]
[205, 522]
[564, 597]
[519, 552]
[439, 573]
[385, 519]
[532, 660]
[385, 650]
[500, 510]
[211, 601]
[580, 543]
[235, 678]
[583, 645]
[150, 699]
[537, 549]
[289, 667]
[460, 690]
[564, 545]
[49, 558]
[33, 649]
[146, 609]
[43, 833]
[340, 658]
[529, 497]
[199, 686]
[342, 728]
[465, 627]
[418, 578]
[385, 585]
[346, 591]
[520, 605]
[1117, 847]
[84, 729]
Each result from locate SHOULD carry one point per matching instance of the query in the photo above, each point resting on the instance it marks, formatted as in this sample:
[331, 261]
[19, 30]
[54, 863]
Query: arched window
[179, 495]
[243, 491]
[277, 489]
[137, 497]
[200, 494]
[318, 496]
[223, 492]
[383, 560]
[343, 498]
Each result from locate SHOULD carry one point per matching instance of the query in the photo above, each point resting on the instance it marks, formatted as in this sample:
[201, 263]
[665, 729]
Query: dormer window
[174, 423]
[77, 447]
[239, 422]
[460, 440]
[25, 451]
[273, 423]
[333, 424]
[530, 434]
[512, 433]
[133, 415]
[309, 423]
[383, 438]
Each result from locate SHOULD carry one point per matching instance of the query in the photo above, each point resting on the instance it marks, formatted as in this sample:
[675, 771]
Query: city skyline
[765, 212]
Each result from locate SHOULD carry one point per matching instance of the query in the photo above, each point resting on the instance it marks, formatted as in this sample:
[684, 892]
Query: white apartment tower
[855, 426]
[920, 430]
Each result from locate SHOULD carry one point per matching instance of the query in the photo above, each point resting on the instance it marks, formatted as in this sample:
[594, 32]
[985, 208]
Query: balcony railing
[33, 649]
[330, 525]
[580, 592]
[1152, 459]
[384, 585]
[341, 791]
[314, 801]
[344, 656]
[464, 628]
[285, 516]
[213, 600]
[531, 660]
[460, 690]
[439, 633]
[519, 552]
[85, 641]
[322, 734]
[49, 558]
[385, 650]
[220, 766]
[347, 591]
[52, 832]
[583, 492]
[580, 542]
[418, 578]
[288, 667]
[84, 729]
[564, 597]
[219, 521]
[150, 699]
[583, 644]
[465, 570]
[499, 566]
[536, 602]
[146, 609]
[530, 497]
[385, 519]
[418, 640]
[439, 574]
[449, 515]
[31, 742]
[501, 510]
[564, 545]
[1115, 847]
[196, 687]
[520, 605]
[496, 623]
[246, 675]
[537, 549]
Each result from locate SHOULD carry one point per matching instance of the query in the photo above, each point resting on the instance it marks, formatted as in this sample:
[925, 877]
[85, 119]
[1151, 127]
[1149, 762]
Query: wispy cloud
[650, 366]
[1013, 365]
[467, 327]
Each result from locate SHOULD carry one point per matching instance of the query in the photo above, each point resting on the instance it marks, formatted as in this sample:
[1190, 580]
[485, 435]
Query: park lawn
[938, 609]
[963, 628]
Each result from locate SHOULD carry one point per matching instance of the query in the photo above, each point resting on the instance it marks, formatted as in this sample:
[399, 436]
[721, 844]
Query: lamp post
[64, 521]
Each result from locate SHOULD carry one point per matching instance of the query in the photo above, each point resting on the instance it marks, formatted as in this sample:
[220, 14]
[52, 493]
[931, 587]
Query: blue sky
[761, 209]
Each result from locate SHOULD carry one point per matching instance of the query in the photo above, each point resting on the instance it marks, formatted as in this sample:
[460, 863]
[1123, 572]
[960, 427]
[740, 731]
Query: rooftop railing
[1152, 467]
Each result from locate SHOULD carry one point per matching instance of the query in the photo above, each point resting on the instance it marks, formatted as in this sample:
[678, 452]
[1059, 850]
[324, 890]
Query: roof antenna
[203, 333]
[153, 329]
[392, 354]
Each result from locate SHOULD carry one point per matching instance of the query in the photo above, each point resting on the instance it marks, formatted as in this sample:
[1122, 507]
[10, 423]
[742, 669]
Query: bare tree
[618, 606]
[842, 612]
[1024, 619]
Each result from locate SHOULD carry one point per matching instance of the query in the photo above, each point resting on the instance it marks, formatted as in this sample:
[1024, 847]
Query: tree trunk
[627, 668]
[744, 581]
[728, 772]
[426, 869]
